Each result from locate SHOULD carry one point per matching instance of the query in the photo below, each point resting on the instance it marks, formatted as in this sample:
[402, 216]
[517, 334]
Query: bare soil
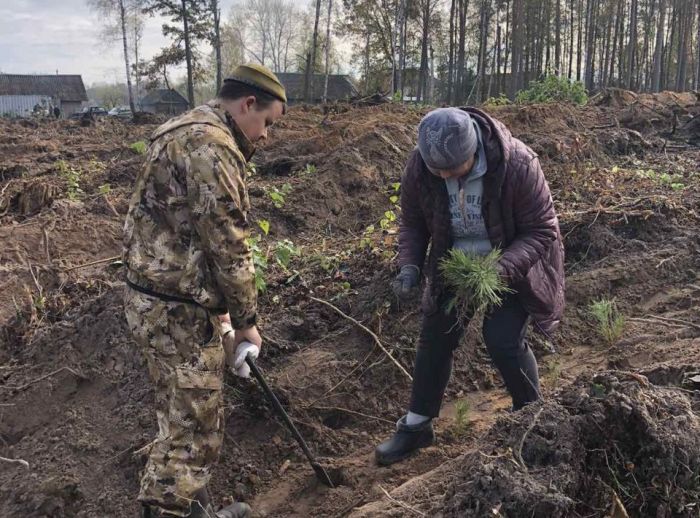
[618, 426]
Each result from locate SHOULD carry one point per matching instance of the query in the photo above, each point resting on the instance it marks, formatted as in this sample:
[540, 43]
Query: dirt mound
[609, 436]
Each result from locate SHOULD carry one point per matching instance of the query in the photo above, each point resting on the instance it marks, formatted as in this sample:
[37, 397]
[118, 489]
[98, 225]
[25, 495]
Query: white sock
[414, 419]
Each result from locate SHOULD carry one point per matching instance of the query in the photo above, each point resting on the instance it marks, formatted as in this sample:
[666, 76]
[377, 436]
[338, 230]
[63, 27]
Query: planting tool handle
[278, 407]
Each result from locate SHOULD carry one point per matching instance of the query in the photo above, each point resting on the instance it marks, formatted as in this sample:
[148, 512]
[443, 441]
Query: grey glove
[405, 281]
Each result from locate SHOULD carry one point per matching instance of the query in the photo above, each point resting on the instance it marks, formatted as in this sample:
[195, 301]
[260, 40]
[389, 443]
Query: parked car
[123, 112]
[88, 111]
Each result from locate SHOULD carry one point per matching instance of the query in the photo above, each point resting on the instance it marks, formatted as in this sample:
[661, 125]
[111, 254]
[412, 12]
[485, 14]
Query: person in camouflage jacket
[191, 298]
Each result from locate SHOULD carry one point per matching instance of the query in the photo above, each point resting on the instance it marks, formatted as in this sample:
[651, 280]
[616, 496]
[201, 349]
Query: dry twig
[522, 439]
[93, 263]
[675, 320]
[26, 385]
[16, 461]
[402, 504]
[369, 331]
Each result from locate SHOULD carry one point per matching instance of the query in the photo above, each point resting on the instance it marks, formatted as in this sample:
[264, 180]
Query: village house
[22, 95]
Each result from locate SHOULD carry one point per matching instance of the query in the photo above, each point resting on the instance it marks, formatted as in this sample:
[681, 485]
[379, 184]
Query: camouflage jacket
[185, 232]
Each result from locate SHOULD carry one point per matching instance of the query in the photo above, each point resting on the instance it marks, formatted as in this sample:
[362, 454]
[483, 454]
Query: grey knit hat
[446, 138]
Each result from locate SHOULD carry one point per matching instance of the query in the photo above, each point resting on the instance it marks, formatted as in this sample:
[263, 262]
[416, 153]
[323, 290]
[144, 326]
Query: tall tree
[117, 14]
[308, 78]
[632, 48]
[189, 25]
[328, 48]
[136, 22]
[483, 48]
[557, 44]
[216, 40]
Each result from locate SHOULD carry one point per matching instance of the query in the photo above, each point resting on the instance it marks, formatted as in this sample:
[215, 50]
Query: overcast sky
[42, 36]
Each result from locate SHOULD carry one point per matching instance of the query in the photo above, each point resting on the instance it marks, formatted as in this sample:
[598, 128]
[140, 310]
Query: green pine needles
[474, 280]
[610, 323]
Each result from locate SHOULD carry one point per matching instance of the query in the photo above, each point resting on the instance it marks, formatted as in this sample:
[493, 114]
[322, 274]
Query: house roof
[65, 87]
[339, 86]
[163, 95]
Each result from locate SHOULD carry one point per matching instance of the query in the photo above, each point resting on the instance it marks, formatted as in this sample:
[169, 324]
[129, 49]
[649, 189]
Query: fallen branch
[93, 263]
[399, 502]
[16, 461]
[22, 387]
[650, 321]
[675, 320]
[522, 439]
[367, 330]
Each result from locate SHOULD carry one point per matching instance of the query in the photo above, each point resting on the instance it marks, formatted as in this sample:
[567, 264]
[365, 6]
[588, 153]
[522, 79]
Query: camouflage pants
[185, 357]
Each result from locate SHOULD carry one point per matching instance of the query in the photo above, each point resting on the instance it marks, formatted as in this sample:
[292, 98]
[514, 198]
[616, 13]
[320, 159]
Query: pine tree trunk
[188, 53]
[216, 12]
[632, 49]
[503, 88]
[645, 49]
[328, 47]
[402, 49]
[668, 47]
[367, 41]
[697, 56]
[684, 31]
[494, 68]
[614, 50]
[516, 49]
[547, 39]
[483, 43]
[571, 42]
[460, 83]
[497, 56]
[579, 47]
[590, 37]
[621, 46]
[122, 16]
[309, 79]
[137, 76]
[557, 42]
[605, 50]
[423, 81]
[451, 58]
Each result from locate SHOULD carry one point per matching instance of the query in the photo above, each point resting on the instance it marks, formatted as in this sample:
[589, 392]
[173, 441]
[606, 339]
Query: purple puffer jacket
[518, 213]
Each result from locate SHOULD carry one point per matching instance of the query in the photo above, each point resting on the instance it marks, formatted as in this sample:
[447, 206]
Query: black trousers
[504, 332]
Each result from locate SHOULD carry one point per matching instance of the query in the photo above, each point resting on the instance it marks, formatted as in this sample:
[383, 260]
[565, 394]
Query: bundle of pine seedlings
[474, 280]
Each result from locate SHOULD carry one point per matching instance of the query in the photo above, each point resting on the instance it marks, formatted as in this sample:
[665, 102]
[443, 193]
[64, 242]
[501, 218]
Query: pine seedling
[474, 280]
[462, 411]
[610, 322]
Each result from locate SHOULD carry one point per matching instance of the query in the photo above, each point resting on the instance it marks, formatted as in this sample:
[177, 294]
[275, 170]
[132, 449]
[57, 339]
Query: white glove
[244, 349]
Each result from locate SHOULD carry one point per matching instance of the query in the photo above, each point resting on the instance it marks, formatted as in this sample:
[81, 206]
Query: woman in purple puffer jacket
[471, 185]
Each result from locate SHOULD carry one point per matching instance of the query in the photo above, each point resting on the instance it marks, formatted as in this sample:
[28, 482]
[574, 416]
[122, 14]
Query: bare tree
[136, 24]
[659, 50]
[216, 40]
[328, 48]
[311, 62]
[116, 14]
[267, 29]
